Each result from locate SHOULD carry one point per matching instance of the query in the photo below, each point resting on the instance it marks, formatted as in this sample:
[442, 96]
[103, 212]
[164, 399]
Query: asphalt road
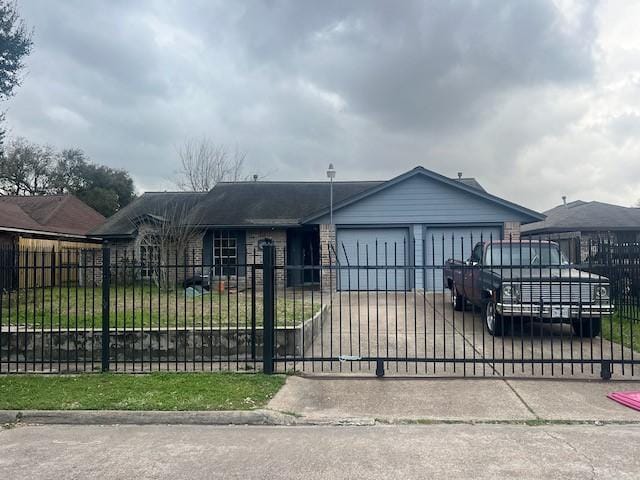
[377, 452]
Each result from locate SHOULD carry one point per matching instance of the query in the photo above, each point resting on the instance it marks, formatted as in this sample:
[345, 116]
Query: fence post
[268, 277]
[253, 309]
[106, 285]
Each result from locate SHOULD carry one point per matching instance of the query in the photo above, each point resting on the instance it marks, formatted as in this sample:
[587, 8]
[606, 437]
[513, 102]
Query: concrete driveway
[406, 326]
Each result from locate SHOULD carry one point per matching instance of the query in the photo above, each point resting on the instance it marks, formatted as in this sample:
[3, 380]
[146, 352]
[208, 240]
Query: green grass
[624, 328]
[155, 391]
[148, 307]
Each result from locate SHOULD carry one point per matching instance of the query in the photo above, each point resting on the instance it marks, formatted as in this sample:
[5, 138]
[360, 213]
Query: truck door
[472, 274]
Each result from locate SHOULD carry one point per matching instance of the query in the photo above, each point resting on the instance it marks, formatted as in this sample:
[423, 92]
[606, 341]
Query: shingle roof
[123, 223]
[586, 216]
[48, 213]
[472, 182]
[249, 204]
[269, 203]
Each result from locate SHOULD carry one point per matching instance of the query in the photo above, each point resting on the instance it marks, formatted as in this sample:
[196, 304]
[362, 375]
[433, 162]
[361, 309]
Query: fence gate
[490, 308]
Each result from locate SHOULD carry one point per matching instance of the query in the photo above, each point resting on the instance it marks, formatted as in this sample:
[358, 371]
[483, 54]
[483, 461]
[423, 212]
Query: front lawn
[146, 306]
[155, 391]
[624, 328]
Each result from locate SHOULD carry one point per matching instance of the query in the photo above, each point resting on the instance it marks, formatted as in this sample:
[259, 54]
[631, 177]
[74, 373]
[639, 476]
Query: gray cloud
[510, 92]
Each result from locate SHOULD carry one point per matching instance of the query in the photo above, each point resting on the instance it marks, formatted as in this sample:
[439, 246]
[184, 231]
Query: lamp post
[331, 173]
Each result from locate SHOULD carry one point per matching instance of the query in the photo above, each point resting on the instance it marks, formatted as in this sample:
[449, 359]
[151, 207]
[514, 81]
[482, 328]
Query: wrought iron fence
[440, 306]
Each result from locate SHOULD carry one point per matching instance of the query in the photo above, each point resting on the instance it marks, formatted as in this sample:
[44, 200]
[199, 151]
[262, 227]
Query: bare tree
[165, 241]
[204, 163]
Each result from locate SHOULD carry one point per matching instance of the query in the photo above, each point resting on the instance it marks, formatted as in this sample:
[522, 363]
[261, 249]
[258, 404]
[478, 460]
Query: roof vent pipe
[459, 175]
[564, 200]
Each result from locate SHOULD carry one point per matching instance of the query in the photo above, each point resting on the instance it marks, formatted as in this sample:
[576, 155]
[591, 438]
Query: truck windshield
[524, 254]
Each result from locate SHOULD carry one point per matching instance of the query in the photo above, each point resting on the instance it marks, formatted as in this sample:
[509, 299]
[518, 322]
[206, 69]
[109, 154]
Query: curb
[123, 417]
[251, 418]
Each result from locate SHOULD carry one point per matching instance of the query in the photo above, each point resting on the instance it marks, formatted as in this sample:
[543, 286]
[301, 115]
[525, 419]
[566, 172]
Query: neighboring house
[404, 213]
[47, 221]
[41, 225]
[575, 225]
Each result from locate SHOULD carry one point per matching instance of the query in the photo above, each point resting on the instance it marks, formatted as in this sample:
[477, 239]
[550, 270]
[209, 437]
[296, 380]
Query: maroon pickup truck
[527, 280]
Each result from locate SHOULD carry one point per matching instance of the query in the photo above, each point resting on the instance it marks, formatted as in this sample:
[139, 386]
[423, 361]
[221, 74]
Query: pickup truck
[527, 280]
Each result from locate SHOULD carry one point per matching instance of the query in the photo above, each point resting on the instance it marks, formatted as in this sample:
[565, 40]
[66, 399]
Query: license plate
[560, 312]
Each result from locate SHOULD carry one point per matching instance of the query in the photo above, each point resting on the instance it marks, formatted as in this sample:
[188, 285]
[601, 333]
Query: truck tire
[495, 323]
[457, 301]
[587, 327]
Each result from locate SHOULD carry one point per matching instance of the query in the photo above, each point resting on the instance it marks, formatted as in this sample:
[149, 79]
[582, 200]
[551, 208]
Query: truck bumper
[554, 312]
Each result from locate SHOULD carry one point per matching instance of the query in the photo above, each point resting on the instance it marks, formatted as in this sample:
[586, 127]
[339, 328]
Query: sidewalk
[368, 401]
[389, 400]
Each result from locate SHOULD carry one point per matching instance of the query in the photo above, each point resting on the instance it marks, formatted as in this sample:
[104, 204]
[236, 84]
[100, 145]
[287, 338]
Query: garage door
[375, 247]
[457, 242]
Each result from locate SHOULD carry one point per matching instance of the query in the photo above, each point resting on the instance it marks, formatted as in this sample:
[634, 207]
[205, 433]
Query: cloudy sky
[536, 99]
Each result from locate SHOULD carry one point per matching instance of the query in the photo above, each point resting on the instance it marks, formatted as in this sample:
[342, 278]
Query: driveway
[406, 326]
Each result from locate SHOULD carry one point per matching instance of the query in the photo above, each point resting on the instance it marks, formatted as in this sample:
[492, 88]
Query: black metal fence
[439, 306]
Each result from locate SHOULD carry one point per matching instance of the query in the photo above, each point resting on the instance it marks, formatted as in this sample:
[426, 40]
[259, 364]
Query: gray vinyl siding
[425, 204]
[422, 200]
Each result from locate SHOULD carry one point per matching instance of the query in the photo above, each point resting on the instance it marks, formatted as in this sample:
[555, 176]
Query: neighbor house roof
[48, 214]
[158, 205]
[586, 216]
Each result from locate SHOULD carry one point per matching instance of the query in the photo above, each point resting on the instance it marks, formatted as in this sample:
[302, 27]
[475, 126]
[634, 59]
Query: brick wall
[125, 260]
[511, 231]
[327, 255]
[279, 238]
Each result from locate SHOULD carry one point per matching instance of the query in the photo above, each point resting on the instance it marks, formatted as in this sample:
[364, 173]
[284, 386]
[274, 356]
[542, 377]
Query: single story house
[574, 225]
[410, 219]
[43, 224]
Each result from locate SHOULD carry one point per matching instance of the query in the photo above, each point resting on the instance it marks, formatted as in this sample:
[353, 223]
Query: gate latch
[349, 358]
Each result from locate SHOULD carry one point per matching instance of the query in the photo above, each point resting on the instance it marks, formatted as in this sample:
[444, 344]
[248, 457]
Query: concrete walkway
[444, 400]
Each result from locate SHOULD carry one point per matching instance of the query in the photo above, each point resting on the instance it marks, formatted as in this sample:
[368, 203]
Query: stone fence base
[164, 345]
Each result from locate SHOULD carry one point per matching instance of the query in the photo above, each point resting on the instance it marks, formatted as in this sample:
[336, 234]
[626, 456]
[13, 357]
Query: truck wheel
[495, 323]
[587, 327]
[457, 301]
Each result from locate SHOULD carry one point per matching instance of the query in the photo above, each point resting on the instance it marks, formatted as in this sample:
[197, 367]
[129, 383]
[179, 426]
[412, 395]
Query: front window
[524, 254]
[149, 259]
[225, 253]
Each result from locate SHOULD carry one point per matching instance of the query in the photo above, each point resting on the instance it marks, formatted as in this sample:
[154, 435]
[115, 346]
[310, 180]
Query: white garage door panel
[452, 242]
[373, 247]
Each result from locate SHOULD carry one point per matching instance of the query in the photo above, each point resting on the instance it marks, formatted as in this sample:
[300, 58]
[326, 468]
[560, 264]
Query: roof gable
[124, 223]
[456, 184]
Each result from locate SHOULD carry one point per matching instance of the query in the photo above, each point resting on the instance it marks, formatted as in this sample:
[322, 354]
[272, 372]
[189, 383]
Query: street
[447, 451]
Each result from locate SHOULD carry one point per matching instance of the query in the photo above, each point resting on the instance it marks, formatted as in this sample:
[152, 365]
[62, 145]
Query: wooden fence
[45, 263]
